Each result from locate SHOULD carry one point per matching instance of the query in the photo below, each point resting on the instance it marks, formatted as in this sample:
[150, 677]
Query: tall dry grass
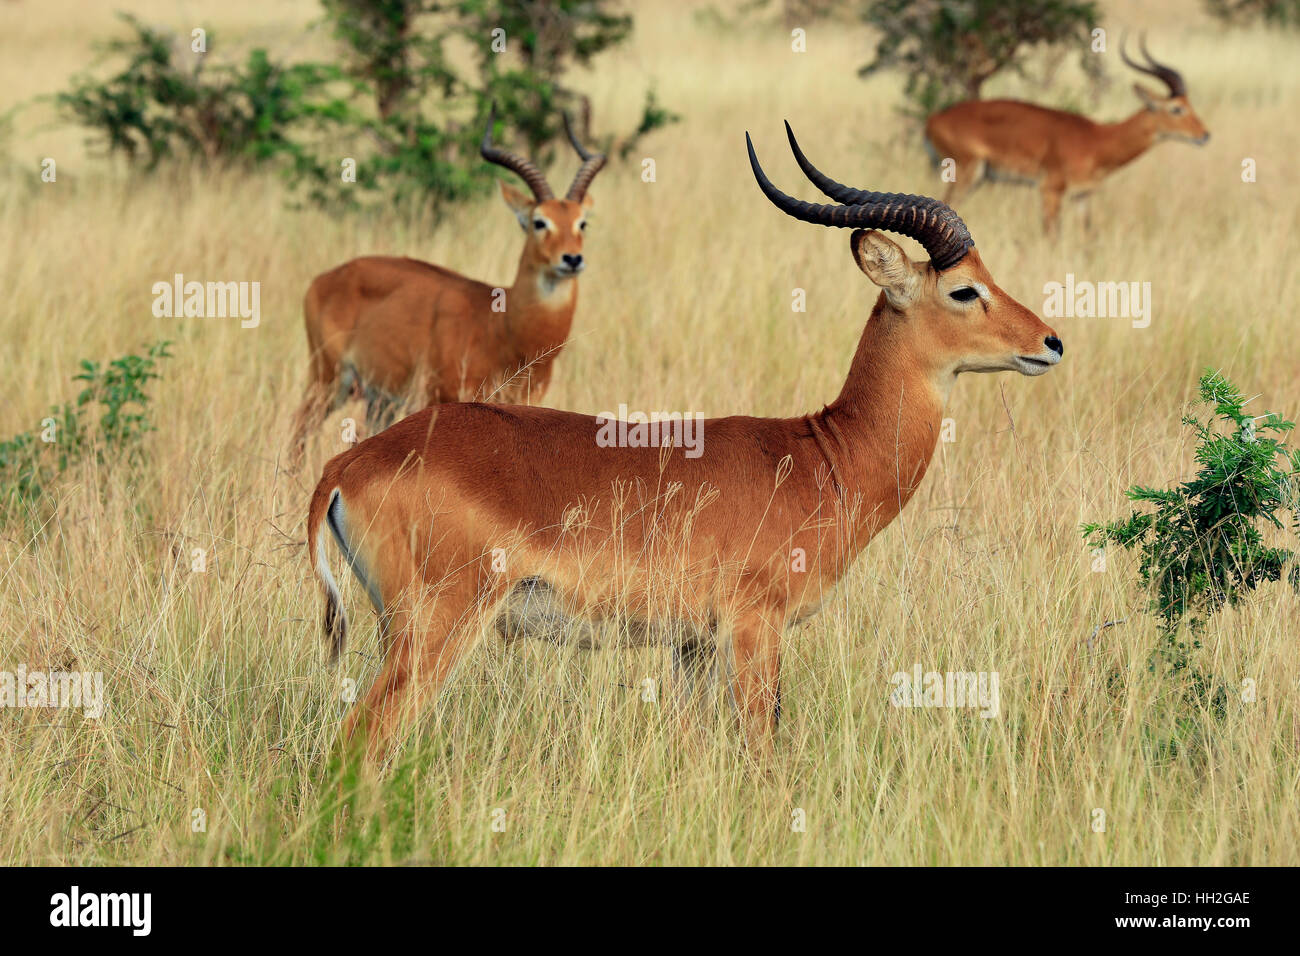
[219, 698]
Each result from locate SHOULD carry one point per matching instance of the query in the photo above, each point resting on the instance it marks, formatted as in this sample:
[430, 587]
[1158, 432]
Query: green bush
[1280, 13]
[1202, 542]
[428, 118]
[108, 418]
[156, 107]
[409, 121]
[949, 50]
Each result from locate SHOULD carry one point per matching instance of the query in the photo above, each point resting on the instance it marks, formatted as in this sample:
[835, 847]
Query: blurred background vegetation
[394, 102]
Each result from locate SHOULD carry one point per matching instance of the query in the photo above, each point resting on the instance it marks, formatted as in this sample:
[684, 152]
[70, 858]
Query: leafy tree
[1281, 13]
[1202, 545]
[159, 107]
[948, 49]
[395, 122]
[423, 146]
[549, 37]
[391, 48]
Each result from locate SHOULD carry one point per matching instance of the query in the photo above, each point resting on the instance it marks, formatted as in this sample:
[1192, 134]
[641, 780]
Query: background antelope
[1060, 151]
[588, 532]
[381, 324]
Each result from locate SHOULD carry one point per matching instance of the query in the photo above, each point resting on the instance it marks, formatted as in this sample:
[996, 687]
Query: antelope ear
[887, 265]
[1151, 100]
[520, 204]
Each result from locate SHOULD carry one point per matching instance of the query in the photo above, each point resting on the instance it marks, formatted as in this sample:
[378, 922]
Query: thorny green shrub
[1202, 542]
[160, 104]
[108, 418]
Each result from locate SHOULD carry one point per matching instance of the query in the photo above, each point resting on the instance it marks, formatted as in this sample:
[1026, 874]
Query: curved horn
[526, 171]
[837, 191]
[930, 222]
[1173, 79]
[1165, 74]
[591, 165]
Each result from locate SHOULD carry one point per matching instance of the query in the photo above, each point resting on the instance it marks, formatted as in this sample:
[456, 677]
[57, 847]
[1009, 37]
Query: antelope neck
[1126, 140]
[539, 309]
[878, 436]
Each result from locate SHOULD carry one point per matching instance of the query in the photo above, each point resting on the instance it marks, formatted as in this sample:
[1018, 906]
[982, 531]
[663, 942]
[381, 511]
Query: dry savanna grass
[219, 697]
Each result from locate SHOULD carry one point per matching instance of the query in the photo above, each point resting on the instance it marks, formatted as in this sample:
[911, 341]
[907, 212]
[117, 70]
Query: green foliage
[409, 120]
[1279, 13]
[108, 418]
[653, 117]
[118, 390]
[413, 159]
[546, 38]
[522, 51]
[390, 49]
[1202, 544]
[393, 51]
[158, 106]
[949, 49]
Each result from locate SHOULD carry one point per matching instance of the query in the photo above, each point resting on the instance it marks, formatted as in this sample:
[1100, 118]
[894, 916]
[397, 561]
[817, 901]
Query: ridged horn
[591, 165]
[930, 222]
[523, 168]
[1165, 74]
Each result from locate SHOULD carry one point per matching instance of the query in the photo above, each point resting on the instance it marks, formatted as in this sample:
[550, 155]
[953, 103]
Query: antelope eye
[582, 226]
[539, 223]
[1176, 111]
[964, 294]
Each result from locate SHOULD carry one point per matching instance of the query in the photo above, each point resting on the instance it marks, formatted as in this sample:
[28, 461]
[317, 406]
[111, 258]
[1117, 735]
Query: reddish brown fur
[397, 322]
[1063, 152]
[427, 501]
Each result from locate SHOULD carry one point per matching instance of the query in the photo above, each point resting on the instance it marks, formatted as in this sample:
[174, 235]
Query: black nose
[572, 261]
[1053, 343]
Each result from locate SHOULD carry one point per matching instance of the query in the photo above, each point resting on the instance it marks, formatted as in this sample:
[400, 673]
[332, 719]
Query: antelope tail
[324, 507]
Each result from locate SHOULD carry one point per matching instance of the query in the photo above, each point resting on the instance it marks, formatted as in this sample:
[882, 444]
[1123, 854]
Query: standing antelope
[1062, 152]
[516, 513]
[382, 323]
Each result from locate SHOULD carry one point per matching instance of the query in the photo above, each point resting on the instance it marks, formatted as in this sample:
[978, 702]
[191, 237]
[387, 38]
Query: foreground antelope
[1062, 152]
[379, 324]
[517, 514]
